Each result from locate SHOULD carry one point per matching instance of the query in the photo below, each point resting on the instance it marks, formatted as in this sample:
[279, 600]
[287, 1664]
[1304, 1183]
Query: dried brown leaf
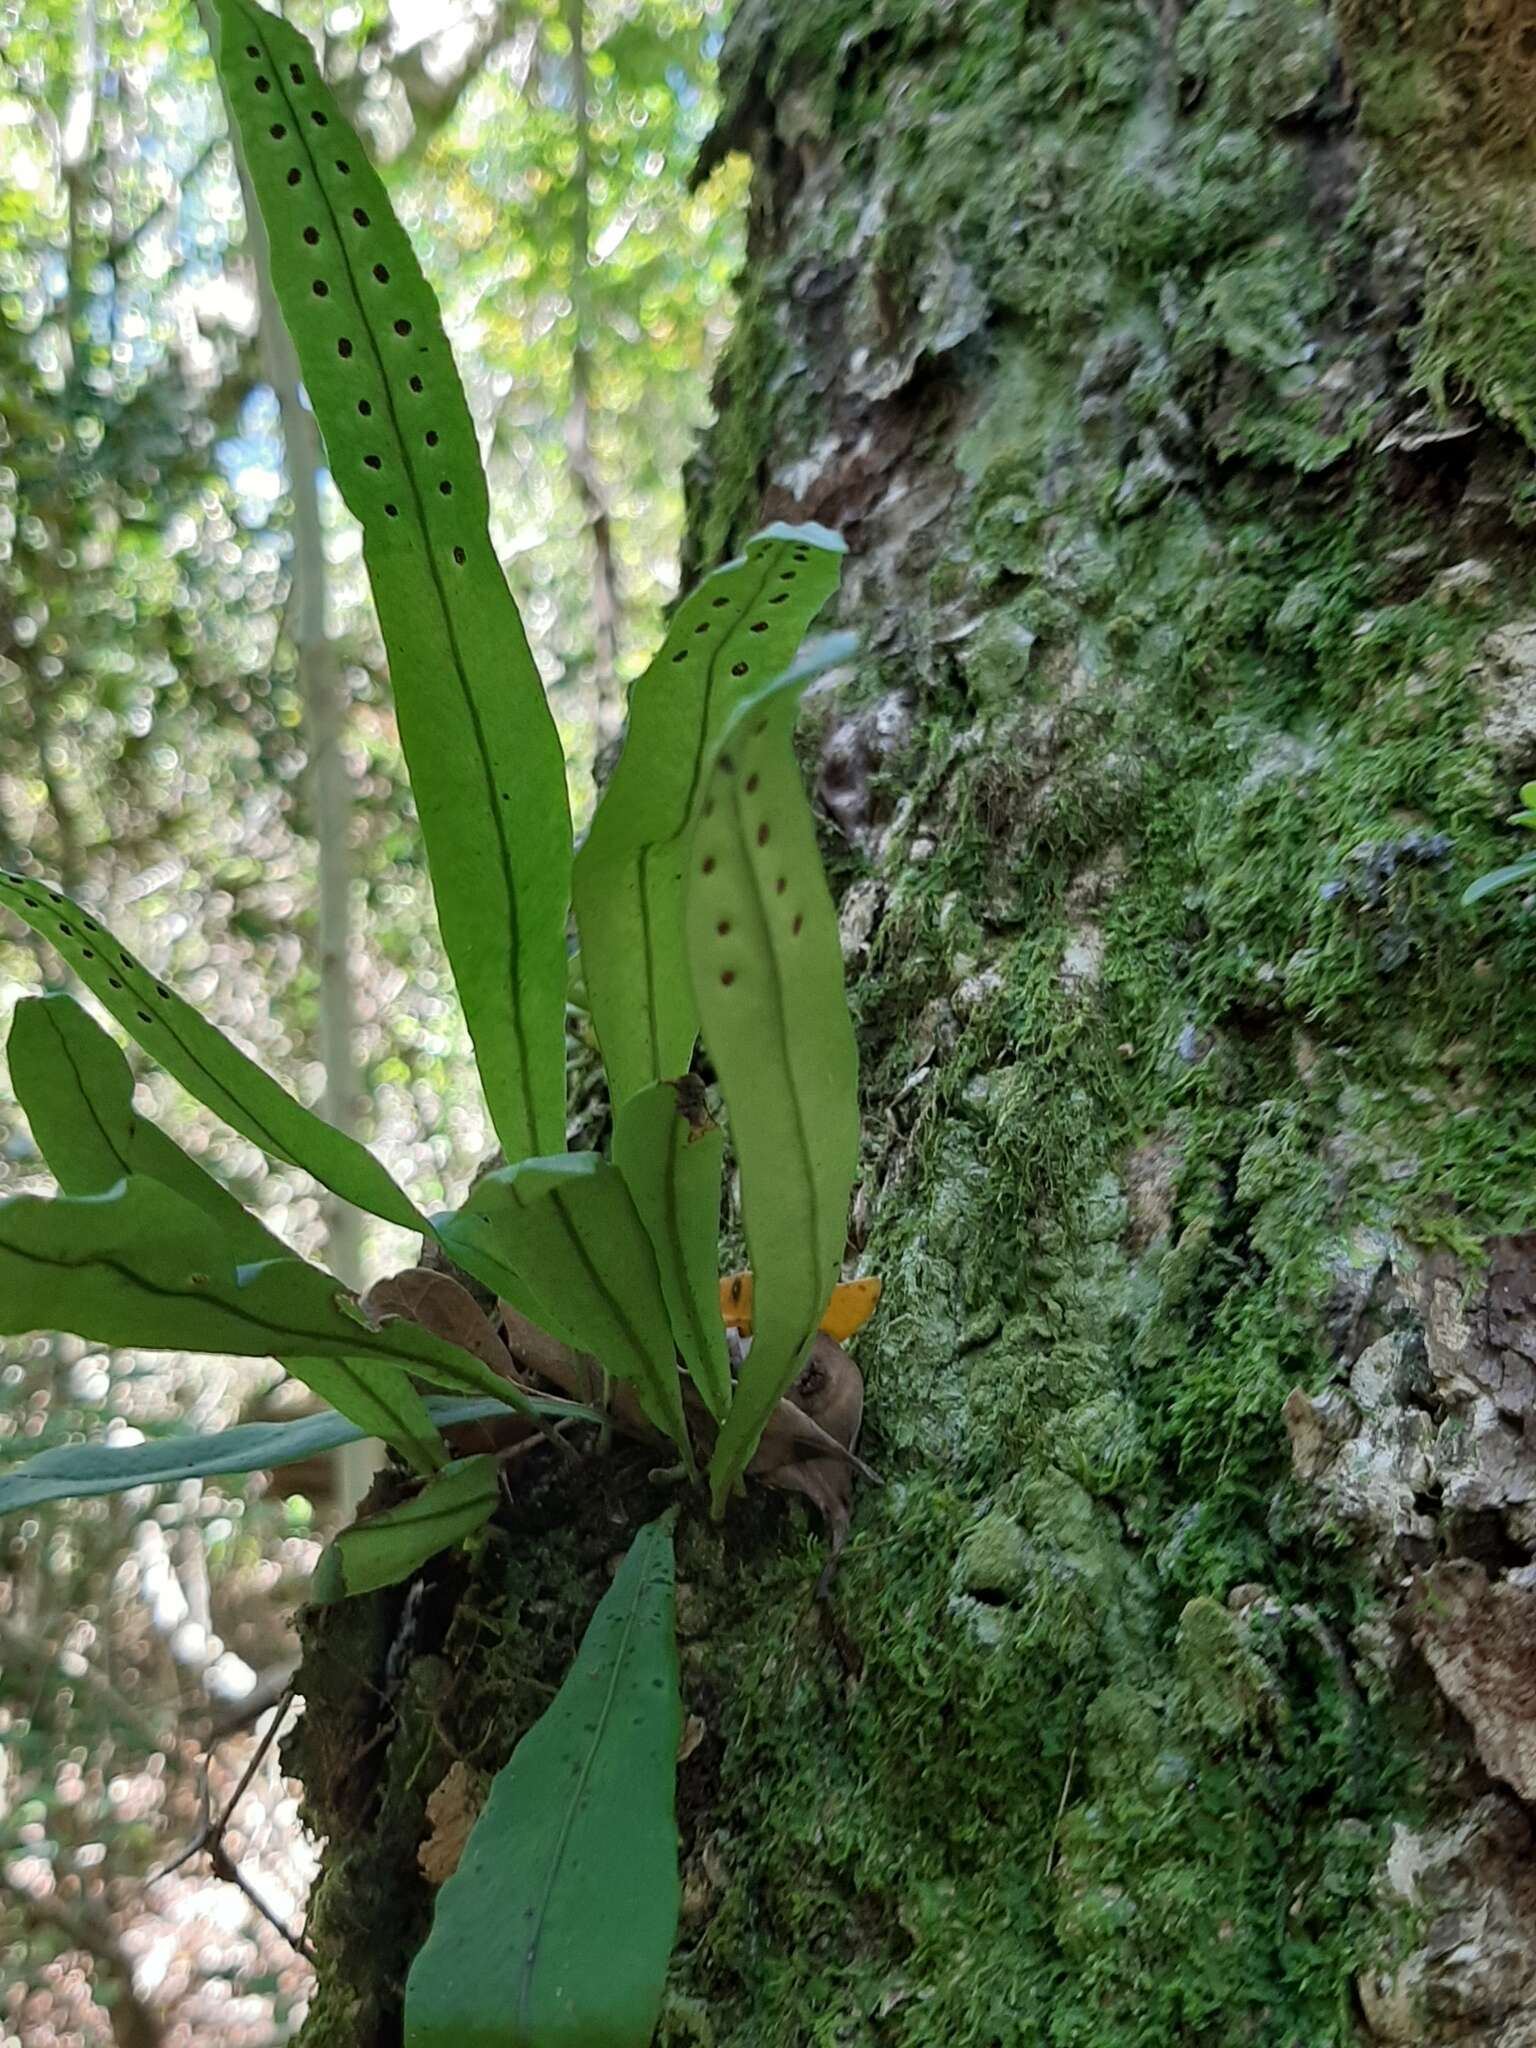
[829, 1395]
[453, 1807]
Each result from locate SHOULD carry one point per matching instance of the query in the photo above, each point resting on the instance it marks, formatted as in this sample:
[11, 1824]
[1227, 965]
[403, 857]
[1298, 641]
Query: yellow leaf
[850, 1308]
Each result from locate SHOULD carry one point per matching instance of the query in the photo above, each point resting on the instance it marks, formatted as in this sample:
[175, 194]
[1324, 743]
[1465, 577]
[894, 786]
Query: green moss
[1450, 99]
[1202, 776]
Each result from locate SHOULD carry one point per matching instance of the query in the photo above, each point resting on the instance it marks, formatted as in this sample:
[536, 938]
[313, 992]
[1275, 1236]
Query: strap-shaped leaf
[672, 1158]
[385, 1548]
[77, 1091]
[141, 1266]
[485, 760]
[561, 1240]
[738, 629]
[556, 1928]
[203, 1060]
[1523, 870]
[77, 1471]
[768, 974]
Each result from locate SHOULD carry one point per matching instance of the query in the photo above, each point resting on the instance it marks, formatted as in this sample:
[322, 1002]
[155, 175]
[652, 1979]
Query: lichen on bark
[1187, 554]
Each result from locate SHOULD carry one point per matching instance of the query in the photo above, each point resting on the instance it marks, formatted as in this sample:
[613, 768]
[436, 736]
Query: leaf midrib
[568, 1822]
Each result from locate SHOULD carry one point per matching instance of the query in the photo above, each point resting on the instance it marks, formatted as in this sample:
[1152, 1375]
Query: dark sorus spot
[431, 437]
[381, 272]
[31, 902]
[320, 288]
[702, 626]
[277, 131]
[372, 462]
[162, 991]
[720, 603]
[295, 177]
[779, 597]
[67, 929]
[788, 576]
[344, 167]
[762, 835]
[127, 960]
[312, 237]
[262, 82]
[723, 927]
[402, 327]
[145, 1017]
[113, 982]
[86, 953]
[392, 511]
[319, 119]
[296, 73]
[726, 765]
[750, 784]
[459, 556]
[416, 384]
[251, 50]
[361, 218]
[780, 886]
[759, 625]
[90, 924]
[446, 488]
[727, 978]
[795, 927]
[738, 668]
[364, 408]
[681, 654]
[344, 347]
[707, 865]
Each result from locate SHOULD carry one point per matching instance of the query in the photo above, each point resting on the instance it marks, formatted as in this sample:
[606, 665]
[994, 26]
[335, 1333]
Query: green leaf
[768, 974]
[141, 1266]
[77, 1091]
[556, 1928]
[203, 1060]
[1501, 878]
[673, 1163]
[385, 1548]
[486, 766]
[78, 1471]
[561, 1240]
[738, 629]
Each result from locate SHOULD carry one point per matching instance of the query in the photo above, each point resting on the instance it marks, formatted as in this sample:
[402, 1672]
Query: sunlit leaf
[77, 1471]
[562, 1241]
[739, 628]
[487, 771]
[672, 1158]
[556, 1928]
[141, 1266]
[384, 1548]
[768, 974]
[77, 1091]
[203, 1060]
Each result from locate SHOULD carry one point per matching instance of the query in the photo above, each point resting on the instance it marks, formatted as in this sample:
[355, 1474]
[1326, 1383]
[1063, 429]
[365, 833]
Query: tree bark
[1163, 367]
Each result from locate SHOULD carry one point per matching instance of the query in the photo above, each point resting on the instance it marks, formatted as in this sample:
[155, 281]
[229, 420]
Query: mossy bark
[1130, 347]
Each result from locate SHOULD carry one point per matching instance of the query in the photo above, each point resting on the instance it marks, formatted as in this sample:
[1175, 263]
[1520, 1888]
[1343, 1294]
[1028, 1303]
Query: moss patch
[1169, 993]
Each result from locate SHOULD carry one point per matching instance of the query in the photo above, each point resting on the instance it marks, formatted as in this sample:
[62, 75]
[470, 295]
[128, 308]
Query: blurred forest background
[196, 739]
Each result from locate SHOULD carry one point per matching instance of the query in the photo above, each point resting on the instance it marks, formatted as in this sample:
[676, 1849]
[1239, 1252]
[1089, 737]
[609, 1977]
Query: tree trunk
[1167, 370]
